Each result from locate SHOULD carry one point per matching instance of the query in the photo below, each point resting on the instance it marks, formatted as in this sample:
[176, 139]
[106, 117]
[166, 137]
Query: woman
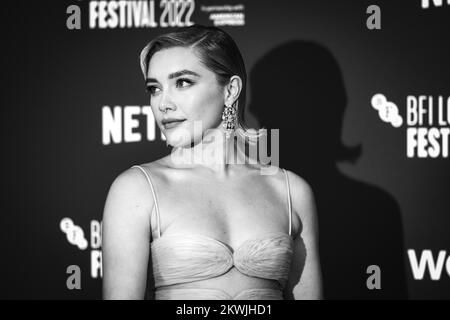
[209, 227]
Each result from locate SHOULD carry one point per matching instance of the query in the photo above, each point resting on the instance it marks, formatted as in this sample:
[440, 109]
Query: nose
[165, 103]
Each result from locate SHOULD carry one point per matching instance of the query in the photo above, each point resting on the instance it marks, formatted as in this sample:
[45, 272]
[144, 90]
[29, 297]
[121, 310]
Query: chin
[177, 138]
[178, 143]
[181, 139]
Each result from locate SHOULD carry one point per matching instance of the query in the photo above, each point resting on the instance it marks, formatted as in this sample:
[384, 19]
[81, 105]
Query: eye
[153, 90]
[183, 83]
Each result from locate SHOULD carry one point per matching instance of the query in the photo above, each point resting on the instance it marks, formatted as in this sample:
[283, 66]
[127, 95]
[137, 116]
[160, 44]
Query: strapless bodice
[180, 258]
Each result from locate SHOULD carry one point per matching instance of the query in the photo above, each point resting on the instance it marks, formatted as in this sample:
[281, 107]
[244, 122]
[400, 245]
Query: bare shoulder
[131, 189]
[302, 197]
[130, 182]
[299, 186]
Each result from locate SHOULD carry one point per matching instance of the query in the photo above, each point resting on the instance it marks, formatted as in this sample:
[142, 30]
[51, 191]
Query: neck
[214, 151]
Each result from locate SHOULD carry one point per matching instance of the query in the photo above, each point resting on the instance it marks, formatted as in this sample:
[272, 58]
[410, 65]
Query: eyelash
[152, 89]
[184, 80]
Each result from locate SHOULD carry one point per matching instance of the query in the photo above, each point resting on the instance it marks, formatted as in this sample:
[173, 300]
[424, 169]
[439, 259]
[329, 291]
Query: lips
[172, 123]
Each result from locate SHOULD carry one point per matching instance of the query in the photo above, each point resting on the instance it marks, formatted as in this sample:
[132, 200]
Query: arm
[126, 237]
[306, 277]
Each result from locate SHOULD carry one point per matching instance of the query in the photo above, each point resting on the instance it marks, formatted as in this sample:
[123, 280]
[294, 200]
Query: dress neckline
[229, 248]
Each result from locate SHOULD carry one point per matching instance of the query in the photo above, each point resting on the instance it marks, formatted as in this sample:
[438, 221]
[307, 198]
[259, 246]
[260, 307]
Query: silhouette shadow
[298, 88]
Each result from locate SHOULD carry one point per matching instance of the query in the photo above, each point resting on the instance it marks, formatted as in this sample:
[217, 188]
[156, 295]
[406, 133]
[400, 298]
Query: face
[189, 93]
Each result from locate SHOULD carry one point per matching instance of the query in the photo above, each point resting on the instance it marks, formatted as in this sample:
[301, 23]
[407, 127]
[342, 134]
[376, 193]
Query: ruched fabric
[186, 258]
[267, 258]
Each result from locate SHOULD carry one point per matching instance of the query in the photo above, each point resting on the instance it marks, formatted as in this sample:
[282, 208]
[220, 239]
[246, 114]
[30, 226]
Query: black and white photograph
[226, 150]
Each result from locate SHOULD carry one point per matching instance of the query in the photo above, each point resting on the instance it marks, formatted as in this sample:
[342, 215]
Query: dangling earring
[229, 117]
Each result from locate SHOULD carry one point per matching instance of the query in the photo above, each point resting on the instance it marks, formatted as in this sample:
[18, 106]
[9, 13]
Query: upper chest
[190, 202]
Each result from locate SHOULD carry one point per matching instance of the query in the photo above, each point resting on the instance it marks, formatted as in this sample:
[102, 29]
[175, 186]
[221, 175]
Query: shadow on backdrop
[298, 88]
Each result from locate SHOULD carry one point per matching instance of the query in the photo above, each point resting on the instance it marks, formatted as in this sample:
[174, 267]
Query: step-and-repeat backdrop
[360, 91]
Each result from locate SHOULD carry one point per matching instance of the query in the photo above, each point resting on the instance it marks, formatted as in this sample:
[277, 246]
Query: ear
[233, 90]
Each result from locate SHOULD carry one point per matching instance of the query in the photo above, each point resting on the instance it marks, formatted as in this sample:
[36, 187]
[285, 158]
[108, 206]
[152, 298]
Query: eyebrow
[175, 75]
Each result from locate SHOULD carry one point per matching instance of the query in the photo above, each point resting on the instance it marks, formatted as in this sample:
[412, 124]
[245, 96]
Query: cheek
[153, 102]
[205, 104]
[155, 111]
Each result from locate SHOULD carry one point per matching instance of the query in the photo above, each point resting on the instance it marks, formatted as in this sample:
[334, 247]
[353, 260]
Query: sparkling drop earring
[229, 117]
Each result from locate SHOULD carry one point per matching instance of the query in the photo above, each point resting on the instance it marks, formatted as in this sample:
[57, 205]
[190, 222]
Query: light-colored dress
[183, 258]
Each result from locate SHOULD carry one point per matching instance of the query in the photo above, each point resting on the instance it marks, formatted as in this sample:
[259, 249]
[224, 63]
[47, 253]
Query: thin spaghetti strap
[154, 197]
[289, 201]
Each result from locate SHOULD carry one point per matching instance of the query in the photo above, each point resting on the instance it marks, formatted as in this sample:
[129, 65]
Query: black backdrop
[313, 70]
